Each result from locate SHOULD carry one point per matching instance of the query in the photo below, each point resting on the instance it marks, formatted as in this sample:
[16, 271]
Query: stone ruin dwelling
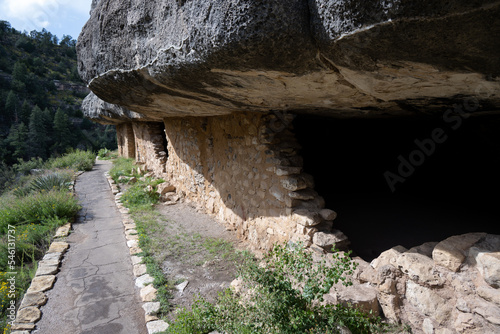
[271, 114]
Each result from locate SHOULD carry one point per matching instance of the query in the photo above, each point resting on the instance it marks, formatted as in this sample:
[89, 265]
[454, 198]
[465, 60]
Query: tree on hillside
[17, 141]
[4, 28]
[25, 43]
[62, 133]
[19, 75]
[37, 134]
[10, 109]
[4, 152]
[25, 112]
[67, 41]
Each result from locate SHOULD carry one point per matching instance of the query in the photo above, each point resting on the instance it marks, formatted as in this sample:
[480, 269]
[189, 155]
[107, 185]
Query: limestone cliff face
[344, 58]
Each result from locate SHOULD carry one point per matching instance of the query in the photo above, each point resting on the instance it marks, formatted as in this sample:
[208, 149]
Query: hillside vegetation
[40, 98]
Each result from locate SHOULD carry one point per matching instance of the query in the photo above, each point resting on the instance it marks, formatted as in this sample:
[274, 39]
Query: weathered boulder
[363, 297]
[328, 240]
[488, 264]
[451, 253]
[199, 58]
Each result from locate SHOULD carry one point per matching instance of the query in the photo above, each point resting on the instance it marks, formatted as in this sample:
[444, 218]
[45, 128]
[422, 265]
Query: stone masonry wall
[149, 146]
[245, 170]
[126, 140]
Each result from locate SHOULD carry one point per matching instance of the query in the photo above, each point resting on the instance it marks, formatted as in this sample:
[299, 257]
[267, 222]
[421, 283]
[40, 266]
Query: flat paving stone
[95, 290]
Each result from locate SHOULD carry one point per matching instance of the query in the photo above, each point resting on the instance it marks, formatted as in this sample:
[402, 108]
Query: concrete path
[94, 292]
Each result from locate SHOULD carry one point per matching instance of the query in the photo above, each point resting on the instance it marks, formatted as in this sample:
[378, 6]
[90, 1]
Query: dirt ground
[197, 250]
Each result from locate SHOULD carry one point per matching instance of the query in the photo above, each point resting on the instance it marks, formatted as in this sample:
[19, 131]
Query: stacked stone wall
[149, 146]
[245, 170]
[126, 140]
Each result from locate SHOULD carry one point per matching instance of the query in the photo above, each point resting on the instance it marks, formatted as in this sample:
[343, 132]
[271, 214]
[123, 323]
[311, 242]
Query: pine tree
[4, 152]
[25, 112]
[11, 105]
[19, 75]
[17, 141]
[62, 133]
[37, 134]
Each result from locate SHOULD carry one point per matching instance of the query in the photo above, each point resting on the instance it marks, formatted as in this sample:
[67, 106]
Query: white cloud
[36, 13]
[59, 15]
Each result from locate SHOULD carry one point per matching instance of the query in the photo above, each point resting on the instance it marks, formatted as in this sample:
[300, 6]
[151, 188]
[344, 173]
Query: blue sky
[60, 17]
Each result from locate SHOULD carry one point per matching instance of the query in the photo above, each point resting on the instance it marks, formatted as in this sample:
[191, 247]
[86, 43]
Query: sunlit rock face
[338, 58]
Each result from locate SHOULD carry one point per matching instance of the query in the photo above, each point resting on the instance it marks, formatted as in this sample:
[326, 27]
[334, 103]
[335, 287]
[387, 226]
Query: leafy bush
[283, 296]
[25, 167]
[105, 154]
[139, 195]
[76, 160]
[122, 167]
[7, 177]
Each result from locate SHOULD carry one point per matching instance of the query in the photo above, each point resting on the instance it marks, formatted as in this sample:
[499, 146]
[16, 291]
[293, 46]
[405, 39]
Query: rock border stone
[28, 313]
[143, 280]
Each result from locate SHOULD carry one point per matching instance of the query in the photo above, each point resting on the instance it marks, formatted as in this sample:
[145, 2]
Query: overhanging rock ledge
[340, 58]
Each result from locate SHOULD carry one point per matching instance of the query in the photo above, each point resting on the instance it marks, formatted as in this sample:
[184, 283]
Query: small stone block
[136, 260]
[328, 214]
[51, 262]
[22, 326]
[63, 231]
[148, 293]
[142, 281]
[58, 247]
[53, 256]
[44, 270]
[132, 243]
[139, 270]
[149, 318]
[29, 314]
[156, 326]
[42, 283]
[151, 308]
[33, 299]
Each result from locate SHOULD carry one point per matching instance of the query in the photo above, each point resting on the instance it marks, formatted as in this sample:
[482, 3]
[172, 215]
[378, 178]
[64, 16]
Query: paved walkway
[94, 292]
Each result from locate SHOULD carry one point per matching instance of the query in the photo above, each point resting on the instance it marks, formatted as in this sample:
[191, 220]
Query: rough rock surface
[353, 59]
[416, 289]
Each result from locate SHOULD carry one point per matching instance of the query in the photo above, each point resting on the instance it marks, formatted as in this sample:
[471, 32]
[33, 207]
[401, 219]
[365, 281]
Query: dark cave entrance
[164, 138]
[454, 190]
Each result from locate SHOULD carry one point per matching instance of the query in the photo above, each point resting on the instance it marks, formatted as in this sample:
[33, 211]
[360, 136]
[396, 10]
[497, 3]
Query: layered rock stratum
[339, 58]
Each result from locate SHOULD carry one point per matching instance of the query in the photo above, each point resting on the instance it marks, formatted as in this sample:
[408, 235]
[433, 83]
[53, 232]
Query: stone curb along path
[142, 279]
[29, 312]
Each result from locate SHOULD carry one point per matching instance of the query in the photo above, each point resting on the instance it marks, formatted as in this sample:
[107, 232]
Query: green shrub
[7, 177]
[274, 302]
[37, 208]
[31, 241]
[122, 167]
[76, 160]
[25, 167]
[105, 154]
[139, 195]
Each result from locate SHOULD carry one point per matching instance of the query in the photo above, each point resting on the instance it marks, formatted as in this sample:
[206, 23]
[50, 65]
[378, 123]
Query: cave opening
[391, 187]
[163, 134]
